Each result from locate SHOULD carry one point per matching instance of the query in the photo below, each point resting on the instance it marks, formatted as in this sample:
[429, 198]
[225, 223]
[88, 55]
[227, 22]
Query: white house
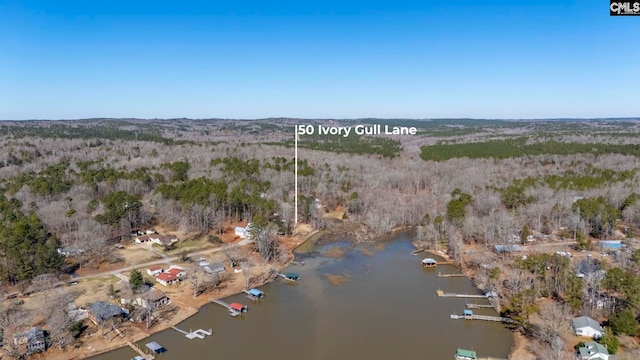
[142, 239]
[592, 350]
[164, 240]
[586, 326]
[242, 232]
[154, 270]
[176, 271]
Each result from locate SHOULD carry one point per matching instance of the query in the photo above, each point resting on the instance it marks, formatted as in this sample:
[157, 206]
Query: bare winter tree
[553, 322]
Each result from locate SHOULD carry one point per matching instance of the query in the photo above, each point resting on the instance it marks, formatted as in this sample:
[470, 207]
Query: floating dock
[444, 294]
[200, 334]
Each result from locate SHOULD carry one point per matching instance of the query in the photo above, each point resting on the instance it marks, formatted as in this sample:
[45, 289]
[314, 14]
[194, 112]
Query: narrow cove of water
[382, 305]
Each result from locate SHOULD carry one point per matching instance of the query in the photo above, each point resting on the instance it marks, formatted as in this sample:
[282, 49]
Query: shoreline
[518, 349]
[187, 312]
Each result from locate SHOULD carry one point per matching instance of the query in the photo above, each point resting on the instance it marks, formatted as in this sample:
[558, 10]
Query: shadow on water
[386, 308]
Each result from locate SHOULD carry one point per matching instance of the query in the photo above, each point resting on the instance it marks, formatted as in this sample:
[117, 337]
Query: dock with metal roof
[232, 311]
[254, 294]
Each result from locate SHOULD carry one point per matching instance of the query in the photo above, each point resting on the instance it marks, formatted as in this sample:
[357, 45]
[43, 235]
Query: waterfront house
[155, 270]
[101, 311]
[153, 299]
[238, 307]
[33, 339]
[462, 354]
[586, 326]
[592, 350]
[429, 262]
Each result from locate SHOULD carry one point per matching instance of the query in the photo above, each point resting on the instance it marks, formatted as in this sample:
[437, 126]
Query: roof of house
[174, 271]
[592, 348]
[613, 244]
[102, 310]
[466, 353]
[585, 321]
[33, 334]
[256, 292]
[155, 268]
[155, 295]
[508, 248]
[428, 261]
[166, 277]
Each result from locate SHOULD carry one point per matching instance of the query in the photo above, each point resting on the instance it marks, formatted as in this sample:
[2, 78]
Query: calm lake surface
[388, 309]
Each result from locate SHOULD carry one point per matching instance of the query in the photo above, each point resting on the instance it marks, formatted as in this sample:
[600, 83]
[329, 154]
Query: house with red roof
[166, 278]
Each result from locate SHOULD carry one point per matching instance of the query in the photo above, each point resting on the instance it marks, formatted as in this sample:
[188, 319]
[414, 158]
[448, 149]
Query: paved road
[166, 260]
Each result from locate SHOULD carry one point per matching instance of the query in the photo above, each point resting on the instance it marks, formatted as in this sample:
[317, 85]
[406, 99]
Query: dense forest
[462, 183]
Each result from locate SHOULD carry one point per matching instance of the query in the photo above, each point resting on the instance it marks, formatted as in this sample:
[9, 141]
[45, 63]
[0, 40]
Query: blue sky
[317, 59]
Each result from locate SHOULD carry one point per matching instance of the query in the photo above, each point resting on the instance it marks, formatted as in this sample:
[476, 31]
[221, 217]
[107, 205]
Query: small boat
[291, 276]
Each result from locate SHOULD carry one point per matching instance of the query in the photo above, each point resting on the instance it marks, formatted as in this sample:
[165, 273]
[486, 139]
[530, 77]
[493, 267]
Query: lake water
[387, 309]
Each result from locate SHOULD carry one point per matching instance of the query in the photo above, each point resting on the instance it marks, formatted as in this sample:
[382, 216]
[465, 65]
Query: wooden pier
[139, 351]
[479, 306]
[483, 317]
[232, 312]
[444, 294]
[416, 252]
[451, 275]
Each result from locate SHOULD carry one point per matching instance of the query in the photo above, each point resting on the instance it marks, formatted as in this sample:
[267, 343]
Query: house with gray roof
[586, 326]
[101, 311]
[33, 339]
[592, 351]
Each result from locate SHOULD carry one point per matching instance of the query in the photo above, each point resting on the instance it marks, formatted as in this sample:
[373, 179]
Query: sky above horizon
[317, 59]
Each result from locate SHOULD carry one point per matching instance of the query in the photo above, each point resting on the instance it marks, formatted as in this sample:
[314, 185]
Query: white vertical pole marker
[296, 176]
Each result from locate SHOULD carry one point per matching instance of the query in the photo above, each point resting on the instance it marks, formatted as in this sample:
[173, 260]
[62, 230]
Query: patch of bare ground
[337, 279]
[520, 349]
[339, 213]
